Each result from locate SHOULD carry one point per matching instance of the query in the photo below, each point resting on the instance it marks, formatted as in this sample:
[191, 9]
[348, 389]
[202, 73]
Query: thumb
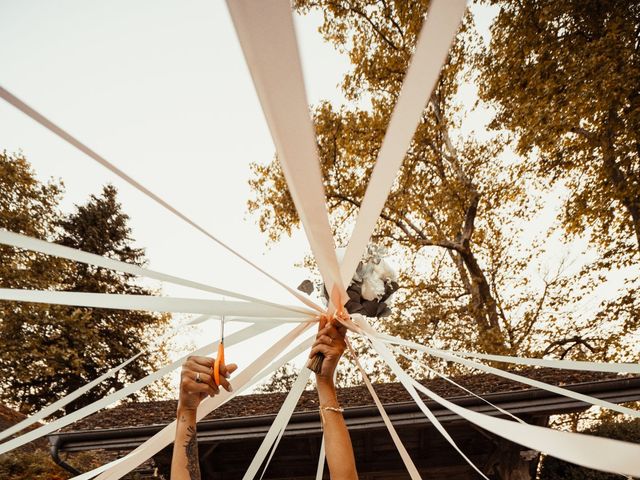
[323, 322]
[232, 367]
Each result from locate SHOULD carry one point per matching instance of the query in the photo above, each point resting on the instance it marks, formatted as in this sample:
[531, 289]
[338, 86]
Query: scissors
[220, 357]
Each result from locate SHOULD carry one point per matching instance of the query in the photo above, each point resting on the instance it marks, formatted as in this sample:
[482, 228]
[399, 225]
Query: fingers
[321, 348]
[206, 362]
[204, 366]
[227, 370]
[326, 339]
[189, 376]
[196, 367]
[189, 385]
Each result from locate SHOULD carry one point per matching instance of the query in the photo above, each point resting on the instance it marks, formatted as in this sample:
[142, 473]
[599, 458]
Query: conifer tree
[48, 351]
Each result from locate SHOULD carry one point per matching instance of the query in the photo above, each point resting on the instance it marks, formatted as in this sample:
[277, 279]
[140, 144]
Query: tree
[281, 381]
[48, 351]
[29, 207]
[96, 339]
[30, 465]
[563, 77]
[454, 211]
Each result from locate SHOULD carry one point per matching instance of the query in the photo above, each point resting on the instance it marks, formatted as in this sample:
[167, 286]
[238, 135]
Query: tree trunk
[621, 185]
[483, 305]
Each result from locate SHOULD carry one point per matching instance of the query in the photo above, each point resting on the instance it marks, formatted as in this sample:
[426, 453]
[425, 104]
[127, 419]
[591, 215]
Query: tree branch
[470, 218]
[375, 27]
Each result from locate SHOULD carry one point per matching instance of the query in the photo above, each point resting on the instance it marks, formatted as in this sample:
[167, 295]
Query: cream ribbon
[58, 404]
[397, 351]
[599, 453]
[406, 381]
[45, 122]
[563, 364]
[321, 457]
[70, 418]
[406, 458]
[437, 34]
[279, 424]
[147, 303]
[60, 251]
[163, 438]
[267, 36]
[589, 451]
[511, 376]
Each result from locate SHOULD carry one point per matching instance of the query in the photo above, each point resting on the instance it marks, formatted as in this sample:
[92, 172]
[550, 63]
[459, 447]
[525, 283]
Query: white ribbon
[406, 458]
[234, 338]
[607, 455]
[563, 364]
[279, 424]
[511, 376]
[58, 404]
[49, 248]
[164, 437]
[320, 470]
[146, 302]
[267, 36]
[437, 34]
[397, 351]
[406, 381]
[45, 122]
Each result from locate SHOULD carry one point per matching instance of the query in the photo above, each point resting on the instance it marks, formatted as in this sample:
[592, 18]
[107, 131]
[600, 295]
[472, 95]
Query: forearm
[337, 442]
[184, 465]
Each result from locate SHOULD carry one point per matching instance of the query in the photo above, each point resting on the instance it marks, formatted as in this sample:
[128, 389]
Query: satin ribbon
[604, 454]
[399, 352]
[45, 122]
[60, 251]
[563, 364]
[321, 457]
[60, 403]
[146, 302]
[163, 438]
[267, 36]
[589, 451]
[70, 418]
[279, 424]
[437, 34]
[406, 381]
[511, 376]
[406, 458]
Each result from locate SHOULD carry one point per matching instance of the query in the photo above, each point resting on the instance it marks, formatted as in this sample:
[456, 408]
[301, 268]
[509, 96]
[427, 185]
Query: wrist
[325, 382]
[326, 392]
[187, 412]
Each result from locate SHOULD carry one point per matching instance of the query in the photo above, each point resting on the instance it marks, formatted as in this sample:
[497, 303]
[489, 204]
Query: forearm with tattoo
[185, 464]
[191, 451]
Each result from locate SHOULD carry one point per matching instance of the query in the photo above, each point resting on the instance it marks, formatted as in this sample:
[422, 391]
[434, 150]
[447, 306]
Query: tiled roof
[9, 417]
[135, 414]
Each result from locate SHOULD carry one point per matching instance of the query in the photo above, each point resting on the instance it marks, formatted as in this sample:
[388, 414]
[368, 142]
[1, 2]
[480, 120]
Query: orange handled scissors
[220, 357]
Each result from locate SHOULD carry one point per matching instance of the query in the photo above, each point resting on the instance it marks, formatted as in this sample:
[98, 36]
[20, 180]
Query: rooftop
[138, 414]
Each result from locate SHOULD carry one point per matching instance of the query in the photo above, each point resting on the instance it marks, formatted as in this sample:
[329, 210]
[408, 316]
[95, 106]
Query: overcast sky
[160, 88]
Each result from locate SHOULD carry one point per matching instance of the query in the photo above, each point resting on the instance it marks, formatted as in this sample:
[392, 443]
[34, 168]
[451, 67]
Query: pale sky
[161, 89]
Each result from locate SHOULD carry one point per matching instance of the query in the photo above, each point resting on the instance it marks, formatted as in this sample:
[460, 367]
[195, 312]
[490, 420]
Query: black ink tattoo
[191, 449]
